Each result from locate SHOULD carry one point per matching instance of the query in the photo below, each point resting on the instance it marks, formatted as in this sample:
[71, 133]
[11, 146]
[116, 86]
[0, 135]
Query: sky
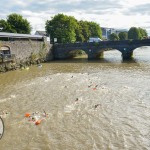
[119, 14]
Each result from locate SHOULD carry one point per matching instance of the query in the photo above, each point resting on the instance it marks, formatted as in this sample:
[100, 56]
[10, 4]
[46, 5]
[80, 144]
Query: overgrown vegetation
[43, 52]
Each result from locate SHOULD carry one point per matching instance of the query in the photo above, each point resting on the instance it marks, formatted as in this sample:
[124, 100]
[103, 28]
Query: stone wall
[23, 48]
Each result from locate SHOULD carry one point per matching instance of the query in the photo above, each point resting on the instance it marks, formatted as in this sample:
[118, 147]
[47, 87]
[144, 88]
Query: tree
[123, 35]
[113, 37]
[15, 24]
[19, 24]
[79, 33]
[68, 29]
[85, 30]
[5, 26]
[134, 33]
[62, 27]
[95, 30]
[143, 33]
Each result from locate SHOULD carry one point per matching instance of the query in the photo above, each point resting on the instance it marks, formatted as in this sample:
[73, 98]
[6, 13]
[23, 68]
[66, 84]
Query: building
[107, 31]
[22, 45]
[43, 33]
[120, 30]
[5, 36]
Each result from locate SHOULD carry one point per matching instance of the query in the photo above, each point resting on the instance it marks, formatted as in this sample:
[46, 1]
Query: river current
[90, 105]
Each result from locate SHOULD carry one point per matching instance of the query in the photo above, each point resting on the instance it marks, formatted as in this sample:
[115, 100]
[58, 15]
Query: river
[85, 105]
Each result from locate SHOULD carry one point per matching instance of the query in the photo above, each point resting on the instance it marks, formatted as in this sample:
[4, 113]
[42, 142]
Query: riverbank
[33, 59]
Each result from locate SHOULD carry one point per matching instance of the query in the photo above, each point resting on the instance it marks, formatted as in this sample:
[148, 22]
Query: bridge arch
[140, 47]
[76, 53]
[102, 53]
[141, 51]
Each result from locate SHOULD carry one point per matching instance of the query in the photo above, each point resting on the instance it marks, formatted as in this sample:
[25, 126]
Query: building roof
[43, 33]
[116, 29]
[23, 36]
[121, 30]
[106, 28]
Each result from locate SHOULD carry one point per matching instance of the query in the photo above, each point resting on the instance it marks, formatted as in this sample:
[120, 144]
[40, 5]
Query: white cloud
[21, 3]
[110, 13]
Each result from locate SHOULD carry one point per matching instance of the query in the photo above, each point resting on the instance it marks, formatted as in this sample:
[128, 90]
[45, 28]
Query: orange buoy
[38, 122]
[27, 115]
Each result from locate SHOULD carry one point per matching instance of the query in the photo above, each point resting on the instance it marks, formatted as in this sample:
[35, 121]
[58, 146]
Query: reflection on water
[96, 104]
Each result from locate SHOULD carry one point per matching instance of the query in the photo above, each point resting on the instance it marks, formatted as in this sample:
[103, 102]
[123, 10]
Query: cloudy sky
[108, 13]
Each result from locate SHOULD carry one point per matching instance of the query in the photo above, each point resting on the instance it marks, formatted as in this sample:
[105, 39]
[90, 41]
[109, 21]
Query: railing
[7, 57]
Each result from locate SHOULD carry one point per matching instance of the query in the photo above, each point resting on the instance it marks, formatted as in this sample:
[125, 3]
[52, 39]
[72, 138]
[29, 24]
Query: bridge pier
[127, 55]
[100, 55]
[92, 54]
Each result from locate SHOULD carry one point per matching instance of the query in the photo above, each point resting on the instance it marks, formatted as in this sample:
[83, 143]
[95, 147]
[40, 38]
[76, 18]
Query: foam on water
[8, 98]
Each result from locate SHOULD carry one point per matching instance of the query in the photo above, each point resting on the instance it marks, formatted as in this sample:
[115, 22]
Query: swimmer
[97, 105]
[96, 86]
[45, 114]
[4, 113]
[77, 99]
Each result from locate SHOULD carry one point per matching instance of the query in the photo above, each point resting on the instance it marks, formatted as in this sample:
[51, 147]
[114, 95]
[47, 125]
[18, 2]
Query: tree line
[133, 33]
[67, 29]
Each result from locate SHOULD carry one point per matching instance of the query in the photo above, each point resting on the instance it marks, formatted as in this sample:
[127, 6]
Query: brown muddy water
[91, 105]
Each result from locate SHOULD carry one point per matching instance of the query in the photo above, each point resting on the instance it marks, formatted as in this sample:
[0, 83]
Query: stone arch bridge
[95, 50]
